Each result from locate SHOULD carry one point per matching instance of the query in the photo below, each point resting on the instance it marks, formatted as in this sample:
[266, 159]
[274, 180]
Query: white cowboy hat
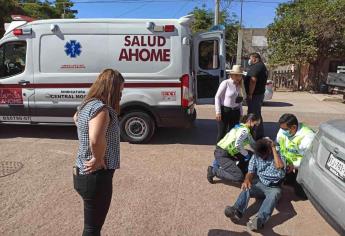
[236, 70]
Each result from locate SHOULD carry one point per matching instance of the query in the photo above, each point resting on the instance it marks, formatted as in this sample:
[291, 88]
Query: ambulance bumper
[175, 116]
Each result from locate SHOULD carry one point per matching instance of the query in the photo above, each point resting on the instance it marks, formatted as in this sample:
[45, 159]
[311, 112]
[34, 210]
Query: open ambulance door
[209, 65]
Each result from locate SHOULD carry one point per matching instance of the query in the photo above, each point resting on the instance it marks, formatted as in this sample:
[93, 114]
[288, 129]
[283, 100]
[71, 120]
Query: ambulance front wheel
[137, 127]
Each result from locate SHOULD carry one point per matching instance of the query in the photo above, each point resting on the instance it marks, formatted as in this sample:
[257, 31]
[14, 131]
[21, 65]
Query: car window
[13, 58]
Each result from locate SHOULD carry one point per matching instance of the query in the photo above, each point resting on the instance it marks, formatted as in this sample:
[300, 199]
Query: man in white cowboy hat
[228, 102]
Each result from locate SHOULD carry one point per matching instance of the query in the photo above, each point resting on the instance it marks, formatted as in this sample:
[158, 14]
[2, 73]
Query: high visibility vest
[289, 147]
[228, 142]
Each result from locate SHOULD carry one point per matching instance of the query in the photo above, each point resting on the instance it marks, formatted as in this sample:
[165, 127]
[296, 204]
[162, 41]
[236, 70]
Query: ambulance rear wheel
[137, 127]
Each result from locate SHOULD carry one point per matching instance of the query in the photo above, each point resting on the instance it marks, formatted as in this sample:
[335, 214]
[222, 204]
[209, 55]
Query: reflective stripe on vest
[289, 148]
[228, 142]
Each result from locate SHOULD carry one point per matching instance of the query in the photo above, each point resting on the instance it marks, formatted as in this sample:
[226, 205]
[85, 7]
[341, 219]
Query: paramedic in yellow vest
[294, 139]
[231, 157]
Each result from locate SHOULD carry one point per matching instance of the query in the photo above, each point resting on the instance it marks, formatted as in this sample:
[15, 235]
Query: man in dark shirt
[255, 85]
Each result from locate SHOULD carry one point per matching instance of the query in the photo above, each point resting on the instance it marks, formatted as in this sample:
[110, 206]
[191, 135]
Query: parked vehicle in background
[47, 67]
[268, 91]
[322, 173]
[336, 81]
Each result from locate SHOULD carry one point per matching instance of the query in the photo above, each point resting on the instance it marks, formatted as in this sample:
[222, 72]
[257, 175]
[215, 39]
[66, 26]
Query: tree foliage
[36, 9]
[308, 31]
[204, 20]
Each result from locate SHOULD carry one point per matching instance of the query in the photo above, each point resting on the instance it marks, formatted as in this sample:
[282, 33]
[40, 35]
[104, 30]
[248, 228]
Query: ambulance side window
[209, 55]
[13, 56]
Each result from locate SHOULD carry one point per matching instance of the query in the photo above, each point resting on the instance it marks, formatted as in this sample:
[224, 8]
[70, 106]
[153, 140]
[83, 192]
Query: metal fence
[283, 80]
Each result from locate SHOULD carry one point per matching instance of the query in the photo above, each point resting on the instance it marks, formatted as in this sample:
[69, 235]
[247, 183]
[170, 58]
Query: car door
[15, 81]
[209, 64]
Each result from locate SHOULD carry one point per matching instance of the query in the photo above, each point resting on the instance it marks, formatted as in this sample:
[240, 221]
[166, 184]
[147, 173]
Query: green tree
[36, 9]
[204, 20]
[308, 32]
[48, 9]
[8, 8]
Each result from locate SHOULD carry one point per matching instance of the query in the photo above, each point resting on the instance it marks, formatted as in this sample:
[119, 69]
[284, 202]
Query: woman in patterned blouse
[99, 148]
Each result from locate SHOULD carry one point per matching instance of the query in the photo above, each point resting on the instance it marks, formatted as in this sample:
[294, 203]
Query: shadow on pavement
[38, 131]
[221, 232]
[277, 104]
[285, 210]
[229, 183]
[204, 132]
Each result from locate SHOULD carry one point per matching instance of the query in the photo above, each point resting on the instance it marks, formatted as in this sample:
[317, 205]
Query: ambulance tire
[137, 127]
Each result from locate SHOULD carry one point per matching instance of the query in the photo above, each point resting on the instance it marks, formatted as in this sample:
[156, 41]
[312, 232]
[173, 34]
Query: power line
[150, 1]
[132, 10]
[180, 9]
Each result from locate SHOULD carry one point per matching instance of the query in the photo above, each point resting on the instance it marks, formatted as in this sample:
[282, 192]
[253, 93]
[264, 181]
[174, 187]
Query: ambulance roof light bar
[160, 28]
[19, 32]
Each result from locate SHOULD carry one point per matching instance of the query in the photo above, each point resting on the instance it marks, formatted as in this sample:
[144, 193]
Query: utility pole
[64, 10]
[215, 46]
[216, 13]
[240, 40]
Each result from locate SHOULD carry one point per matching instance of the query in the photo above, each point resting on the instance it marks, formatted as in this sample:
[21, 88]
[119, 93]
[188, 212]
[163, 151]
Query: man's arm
[306, 143]
[252, 84]
[278, 163]
[247, 183]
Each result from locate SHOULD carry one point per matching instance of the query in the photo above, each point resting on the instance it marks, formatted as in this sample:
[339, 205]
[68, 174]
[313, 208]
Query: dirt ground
[161, 188]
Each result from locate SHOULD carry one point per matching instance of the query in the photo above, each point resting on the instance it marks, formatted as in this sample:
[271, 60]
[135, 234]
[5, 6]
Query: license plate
[336, 166]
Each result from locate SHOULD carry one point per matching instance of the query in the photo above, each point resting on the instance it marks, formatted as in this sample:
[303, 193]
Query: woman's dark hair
[288, 119]
[262, 147]
[250, 117]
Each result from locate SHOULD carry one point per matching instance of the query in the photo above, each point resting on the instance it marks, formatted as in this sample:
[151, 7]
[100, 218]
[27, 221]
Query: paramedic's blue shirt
[266, 170]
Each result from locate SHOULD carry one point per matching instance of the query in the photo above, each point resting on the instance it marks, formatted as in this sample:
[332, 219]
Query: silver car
[322, 173]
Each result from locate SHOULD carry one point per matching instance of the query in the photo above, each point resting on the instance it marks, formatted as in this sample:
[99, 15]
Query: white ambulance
[47, 66]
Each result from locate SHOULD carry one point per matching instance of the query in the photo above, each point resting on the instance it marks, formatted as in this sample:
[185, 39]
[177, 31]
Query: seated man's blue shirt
[266, 171]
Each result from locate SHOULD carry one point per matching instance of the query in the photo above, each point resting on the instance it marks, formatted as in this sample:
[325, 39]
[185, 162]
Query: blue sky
[256, 13]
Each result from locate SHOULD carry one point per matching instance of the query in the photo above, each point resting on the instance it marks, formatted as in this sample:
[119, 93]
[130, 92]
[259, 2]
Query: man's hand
[249, 97]
[218, 117]
[246, 185]
[290, 168]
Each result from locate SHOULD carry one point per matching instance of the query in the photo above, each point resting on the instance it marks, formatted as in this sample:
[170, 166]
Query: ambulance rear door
[209, 64]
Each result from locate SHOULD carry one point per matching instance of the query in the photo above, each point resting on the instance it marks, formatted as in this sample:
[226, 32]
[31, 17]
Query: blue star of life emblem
[73, 48]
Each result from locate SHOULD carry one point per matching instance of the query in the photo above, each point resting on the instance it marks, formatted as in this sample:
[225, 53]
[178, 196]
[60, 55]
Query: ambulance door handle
[24, 82]
[222, 73]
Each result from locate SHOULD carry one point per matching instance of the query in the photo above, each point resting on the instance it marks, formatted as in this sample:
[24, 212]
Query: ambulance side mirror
[54, 28]
[185, 41]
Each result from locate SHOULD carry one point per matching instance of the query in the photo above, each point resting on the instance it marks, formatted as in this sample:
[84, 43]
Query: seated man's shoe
[255, 224]
[232, 213]
[210, 174]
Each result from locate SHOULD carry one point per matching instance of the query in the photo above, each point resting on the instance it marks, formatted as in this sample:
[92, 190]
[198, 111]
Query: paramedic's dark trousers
[96, 189]
[254, 106]
[227, 170]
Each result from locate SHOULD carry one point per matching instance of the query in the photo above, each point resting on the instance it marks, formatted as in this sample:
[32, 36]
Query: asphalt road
[161, 188]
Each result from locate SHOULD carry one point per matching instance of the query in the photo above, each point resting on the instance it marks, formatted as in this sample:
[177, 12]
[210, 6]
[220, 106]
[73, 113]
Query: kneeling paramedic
[294, 139]
[230, 151]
